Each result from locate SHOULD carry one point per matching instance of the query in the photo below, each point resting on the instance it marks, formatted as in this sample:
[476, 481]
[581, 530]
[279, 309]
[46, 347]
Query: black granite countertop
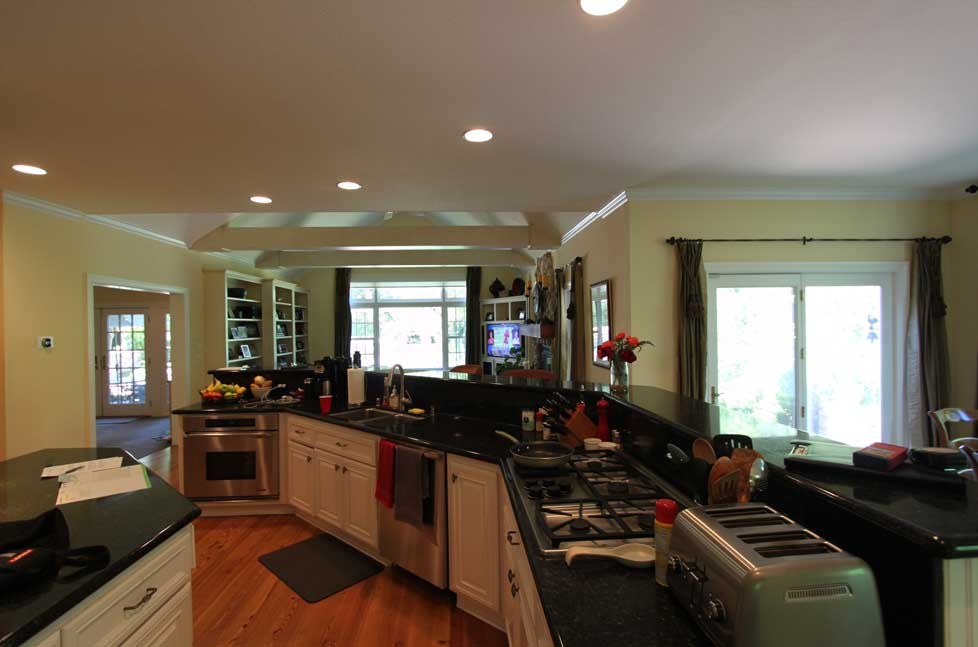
[460, 435]
[596, 601]
[600, 602]
[130, 525]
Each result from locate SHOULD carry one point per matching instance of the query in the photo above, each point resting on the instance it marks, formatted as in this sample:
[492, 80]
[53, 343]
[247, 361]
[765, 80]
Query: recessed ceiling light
[261, 199]
[349, 185]
[602, 7]
[477, 135]
[30, 170]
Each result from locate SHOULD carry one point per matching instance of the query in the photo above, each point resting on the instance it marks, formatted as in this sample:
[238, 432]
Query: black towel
[409, 485]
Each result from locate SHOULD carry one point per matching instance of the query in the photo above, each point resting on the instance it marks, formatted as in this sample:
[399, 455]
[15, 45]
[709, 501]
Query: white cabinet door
[361, 509]
[171, 626]
[473, 527]
[330, 488]
[301, 477]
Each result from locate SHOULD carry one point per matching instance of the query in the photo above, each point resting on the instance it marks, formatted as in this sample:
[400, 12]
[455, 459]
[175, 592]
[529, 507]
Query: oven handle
[226, 434]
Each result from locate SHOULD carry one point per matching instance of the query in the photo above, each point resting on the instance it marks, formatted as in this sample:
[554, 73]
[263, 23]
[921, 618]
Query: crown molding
[619, 200]
[50, 208]
[666, 193]
[108, 221]
[60, 211]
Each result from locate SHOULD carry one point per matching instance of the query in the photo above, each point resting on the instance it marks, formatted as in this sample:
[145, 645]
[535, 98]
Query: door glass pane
[411, 336]
[756, 351]
[845, 362]
[126, 359]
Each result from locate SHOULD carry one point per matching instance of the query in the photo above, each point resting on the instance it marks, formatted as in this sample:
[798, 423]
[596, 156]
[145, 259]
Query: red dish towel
[384, 492]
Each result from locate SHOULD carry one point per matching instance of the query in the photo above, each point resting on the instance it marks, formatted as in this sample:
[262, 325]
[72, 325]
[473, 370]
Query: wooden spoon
[702, 449]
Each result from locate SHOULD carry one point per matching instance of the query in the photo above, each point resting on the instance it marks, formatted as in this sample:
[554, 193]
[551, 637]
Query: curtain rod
[804, 240]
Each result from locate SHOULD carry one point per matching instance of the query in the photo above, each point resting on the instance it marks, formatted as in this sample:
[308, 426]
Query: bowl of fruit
[218, 392]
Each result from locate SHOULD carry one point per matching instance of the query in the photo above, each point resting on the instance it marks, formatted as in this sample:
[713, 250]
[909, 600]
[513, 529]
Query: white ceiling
[189, 106]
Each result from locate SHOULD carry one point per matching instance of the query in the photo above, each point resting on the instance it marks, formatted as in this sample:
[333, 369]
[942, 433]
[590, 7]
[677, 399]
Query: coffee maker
[329, 378]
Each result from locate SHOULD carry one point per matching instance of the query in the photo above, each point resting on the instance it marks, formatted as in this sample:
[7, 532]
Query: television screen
[501, 338]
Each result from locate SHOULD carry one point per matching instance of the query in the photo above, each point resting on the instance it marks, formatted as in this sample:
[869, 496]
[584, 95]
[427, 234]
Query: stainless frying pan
[540, 455]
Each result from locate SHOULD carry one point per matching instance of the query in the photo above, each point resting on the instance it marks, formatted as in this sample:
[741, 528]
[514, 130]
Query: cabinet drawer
[350, 444]
[301, 432]
[130, 599]
[171, 626]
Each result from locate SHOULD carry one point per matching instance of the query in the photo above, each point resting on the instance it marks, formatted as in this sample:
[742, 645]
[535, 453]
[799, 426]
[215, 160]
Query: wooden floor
[239, 602]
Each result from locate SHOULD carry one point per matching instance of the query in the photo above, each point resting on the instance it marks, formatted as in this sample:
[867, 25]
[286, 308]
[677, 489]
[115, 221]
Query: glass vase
[619, 375]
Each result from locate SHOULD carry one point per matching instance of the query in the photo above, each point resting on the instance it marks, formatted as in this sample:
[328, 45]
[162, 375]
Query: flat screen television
[501, 338]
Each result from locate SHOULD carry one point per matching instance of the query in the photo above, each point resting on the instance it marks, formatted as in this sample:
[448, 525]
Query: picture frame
[251, 330]
[490, 316]
[601, 319]
[521, 314]
[282, 348]
[300, 345]
[239, 332]
[231, 314]
[245, 350]
[280, 330]
[298, 314]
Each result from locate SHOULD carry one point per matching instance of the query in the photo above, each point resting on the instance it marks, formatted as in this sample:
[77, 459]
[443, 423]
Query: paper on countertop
[84, 466]
[84, 485]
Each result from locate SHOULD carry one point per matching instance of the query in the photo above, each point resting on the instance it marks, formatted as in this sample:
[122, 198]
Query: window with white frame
[420, 325]
[812, 346]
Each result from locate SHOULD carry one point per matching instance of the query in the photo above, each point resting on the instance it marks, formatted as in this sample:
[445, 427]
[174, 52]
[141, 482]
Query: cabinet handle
[308, 459]
[150, 592]
[336, 468]
[509, 538]
[514, 589]
[299, 431]
[344, 469]
[339, 444]
[510, 575]
[454, 477]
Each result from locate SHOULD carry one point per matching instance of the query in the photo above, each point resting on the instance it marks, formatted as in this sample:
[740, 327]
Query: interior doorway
[133, 369]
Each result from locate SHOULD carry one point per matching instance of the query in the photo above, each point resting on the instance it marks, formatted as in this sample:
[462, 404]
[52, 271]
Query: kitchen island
[150, 542]
[931, 534]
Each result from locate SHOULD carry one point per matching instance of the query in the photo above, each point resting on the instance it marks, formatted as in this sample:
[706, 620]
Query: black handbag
[36, 549]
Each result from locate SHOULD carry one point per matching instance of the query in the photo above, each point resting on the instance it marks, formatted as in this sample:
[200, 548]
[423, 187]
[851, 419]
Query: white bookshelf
[232, 321]
[286, 320]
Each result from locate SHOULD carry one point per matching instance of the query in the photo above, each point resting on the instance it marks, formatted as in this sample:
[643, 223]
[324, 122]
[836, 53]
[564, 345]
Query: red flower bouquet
[622, 348]
[620, 352]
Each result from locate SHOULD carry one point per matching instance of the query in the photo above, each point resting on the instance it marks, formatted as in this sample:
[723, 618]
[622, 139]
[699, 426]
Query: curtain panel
[342, 317]
[473, 316]
[692, 320]
[935, 371]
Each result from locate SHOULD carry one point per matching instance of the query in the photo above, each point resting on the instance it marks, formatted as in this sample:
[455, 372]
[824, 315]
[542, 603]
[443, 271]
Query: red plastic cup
[325, 403]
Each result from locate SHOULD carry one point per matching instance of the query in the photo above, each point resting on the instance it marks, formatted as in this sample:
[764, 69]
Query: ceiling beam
[310, 238]
[395, 258]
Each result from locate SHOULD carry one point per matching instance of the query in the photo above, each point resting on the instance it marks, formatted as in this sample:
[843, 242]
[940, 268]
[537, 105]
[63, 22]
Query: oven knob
[714, 610]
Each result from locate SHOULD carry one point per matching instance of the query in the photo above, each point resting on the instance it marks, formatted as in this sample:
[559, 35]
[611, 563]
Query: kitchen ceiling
[190, 107]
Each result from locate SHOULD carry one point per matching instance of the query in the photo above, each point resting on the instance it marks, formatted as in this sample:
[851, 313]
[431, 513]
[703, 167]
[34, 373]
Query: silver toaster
[752, 577]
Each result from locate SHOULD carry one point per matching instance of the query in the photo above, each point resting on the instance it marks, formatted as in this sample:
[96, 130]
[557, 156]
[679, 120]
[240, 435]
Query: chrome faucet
[403, 397]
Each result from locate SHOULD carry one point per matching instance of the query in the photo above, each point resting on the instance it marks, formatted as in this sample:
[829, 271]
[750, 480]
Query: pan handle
[506, 436]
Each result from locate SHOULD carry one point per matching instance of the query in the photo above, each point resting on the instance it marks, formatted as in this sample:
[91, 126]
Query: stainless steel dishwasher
[422, 551]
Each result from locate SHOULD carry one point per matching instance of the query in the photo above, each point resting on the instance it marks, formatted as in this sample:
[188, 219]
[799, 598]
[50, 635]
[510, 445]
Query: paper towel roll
[354, 385]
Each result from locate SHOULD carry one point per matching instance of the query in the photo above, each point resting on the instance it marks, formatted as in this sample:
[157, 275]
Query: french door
[124, 361]
[811, 351]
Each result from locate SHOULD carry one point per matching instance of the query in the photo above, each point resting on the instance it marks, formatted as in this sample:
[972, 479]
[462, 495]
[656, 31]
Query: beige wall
[606, 251]
[961, 293]
[653, 263]
[46, 263]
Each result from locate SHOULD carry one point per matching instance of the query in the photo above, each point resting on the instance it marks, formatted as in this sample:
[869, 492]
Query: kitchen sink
[375, 416]
[362, 415]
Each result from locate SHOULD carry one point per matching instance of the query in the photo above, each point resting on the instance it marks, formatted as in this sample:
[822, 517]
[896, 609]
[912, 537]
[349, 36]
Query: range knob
[713, 609]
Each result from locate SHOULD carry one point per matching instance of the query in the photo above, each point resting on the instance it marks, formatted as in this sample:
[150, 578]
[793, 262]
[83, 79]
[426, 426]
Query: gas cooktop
[599, 498]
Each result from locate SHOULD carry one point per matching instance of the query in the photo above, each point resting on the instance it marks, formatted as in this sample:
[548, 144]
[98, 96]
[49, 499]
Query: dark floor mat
[319, 566]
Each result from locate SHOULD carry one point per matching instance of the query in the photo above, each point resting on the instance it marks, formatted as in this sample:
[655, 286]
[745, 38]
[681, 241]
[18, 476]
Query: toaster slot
[778, 535]
[738, 511]
[752, 522]
[793, 550]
